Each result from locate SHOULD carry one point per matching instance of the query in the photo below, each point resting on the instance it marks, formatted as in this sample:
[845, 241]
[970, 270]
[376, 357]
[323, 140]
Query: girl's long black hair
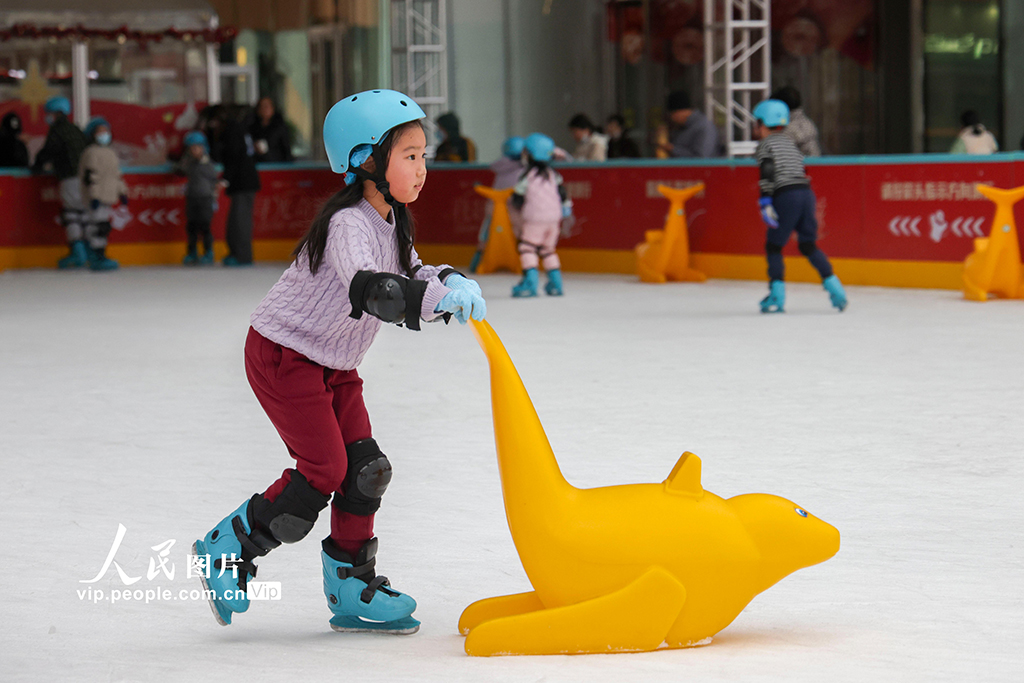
[314, 242]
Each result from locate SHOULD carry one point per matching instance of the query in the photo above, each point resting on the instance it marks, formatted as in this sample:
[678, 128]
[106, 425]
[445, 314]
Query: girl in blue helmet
[544, 203]
[354, 269]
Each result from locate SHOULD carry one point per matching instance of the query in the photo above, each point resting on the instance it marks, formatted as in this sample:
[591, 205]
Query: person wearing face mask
[61, 153]
[102, 187]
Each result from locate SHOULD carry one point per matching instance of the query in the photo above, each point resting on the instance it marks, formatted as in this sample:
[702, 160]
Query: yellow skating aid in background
[624, 568]
[994, 267]
[501, 251]
[665, 254]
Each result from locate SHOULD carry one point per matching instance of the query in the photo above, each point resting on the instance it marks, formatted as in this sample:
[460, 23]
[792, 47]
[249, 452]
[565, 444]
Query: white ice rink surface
[123, 400]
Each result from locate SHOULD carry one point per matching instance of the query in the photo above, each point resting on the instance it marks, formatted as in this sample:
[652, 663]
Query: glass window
[961, 67]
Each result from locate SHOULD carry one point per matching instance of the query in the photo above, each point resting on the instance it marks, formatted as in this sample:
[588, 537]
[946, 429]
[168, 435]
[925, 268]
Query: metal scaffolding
[419, 61]
[737, 67]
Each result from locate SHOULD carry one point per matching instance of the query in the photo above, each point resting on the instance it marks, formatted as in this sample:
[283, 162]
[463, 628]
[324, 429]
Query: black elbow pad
[388, 297]
[768, 169]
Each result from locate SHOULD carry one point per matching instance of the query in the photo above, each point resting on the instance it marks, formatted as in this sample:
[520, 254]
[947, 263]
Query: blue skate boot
[775, 302]
[253, 530]
[98, 260]
[554, 285]
[361, 601]
[835, 291]
[76, 258]
[230, 563]
[191, 259]
[207, 258]
[527, 287]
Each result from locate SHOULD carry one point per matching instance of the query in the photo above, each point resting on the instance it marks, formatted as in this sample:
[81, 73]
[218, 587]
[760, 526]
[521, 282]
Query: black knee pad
[368, 476]
[103, 229]
[290, 517]
[773, 248]
[808, 248]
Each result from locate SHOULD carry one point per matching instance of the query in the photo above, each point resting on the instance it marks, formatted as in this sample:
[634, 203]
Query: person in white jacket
[974, 138]
[102, 187]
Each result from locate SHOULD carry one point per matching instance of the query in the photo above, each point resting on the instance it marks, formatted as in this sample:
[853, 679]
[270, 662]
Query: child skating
[355, 268]
[787, 204]
[544, 203]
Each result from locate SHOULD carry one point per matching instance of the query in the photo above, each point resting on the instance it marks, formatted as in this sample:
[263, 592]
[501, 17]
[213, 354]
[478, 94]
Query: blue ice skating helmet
[540, 147]
[513, 147]
[772, 113]
[57, 104]
[195, 137]
[95, 123]
[363, 119]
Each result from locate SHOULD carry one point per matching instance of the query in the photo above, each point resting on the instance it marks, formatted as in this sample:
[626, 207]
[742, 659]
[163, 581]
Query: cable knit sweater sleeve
[356, 244]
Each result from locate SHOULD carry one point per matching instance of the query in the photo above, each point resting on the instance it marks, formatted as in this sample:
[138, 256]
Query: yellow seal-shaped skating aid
[624, 568]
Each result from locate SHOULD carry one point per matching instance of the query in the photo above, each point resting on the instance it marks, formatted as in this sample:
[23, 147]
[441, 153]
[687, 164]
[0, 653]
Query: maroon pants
[317, 411]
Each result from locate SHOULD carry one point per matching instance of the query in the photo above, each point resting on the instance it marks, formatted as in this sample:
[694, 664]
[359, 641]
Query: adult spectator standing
[591, 144]
[620, 145]
[13, 152]
[62, 151]
[238, 154]
[454, 145]
[270, 133]
[974, 138]
[800, 128]
[691, 134]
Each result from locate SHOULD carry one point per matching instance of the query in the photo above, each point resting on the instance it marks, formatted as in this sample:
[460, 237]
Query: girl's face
[407, 167]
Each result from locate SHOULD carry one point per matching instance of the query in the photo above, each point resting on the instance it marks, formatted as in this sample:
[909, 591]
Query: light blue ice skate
[527, 287]
[76, 258]
[835, 291]
[361, 601]
[554, 285]
[775, 302]
[226, 588]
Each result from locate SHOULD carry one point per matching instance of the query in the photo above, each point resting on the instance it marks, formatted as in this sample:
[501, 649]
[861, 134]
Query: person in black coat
[270, 133]
[237, 152]
[620, 145]
[13, 152]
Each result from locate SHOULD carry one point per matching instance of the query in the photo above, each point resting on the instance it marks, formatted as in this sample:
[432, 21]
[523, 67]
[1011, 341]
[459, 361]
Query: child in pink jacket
[544, 204]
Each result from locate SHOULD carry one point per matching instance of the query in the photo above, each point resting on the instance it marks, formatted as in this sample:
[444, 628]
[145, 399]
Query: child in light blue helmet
[507, 169]
[200, 196]
[355, 268]
[787, 205]
[546, 207]
[102, 187]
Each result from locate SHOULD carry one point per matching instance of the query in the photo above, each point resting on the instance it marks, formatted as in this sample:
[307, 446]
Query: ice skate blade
[223, 617]
[401, 627]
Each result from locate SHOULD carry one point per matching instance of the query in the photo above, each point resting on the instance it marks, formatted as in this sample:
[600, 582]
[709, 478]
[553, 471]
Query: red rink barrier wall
[903, 220]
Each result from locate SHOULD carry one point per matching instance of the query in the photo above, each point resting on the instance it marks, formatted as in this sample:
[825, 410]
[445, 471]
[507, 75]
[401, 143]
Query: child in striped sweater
[355, 268]
[787, 205]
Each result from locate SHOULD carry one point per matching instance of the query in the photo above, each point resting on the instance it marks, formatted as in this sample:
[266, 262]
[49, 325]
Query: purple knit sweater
[310, 313]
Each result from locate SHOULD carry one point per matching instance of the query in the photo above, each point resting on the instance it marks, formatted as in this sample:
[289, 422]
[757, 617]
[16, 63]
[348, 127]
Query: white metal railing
[737, 67]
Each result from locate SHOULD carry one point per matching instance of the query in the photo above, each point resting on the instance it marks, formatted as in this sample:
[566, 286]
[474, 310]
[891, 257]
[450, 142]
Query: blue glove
[94, 204]
[124, 200]
[768, 215]
[463, 304]
[458, 282]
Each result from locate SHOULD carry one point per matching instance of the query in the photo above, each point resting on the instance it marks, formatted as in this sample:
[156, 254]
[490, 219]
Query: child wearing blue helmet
[544, 203]
[102, 187]
[787, 204]
[200, 196]
[507, 169]
[354, 269]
